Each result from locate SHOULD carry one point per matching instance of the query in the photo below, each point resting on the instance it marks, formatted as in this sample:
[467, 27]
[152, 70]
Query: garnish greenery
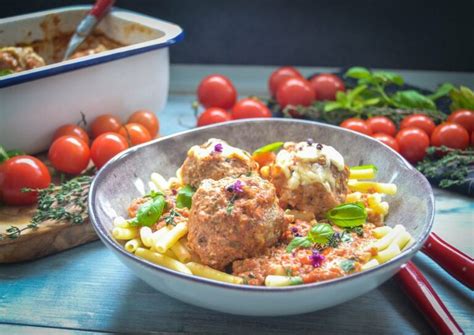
[6, 154]
[269, 148]
[319, 234]
[185, 196]
[347, 265]
[455, 167]
[5, 72]
[169, 219]
[365, 167]
[150, 212]
[462, 98]
[66, 202]
[348, 215]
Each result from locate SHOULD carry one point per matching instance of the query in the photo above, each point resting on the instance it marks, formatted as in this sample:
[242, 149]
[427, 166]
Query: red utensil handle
[419, 290]
[101, 7]
[456, 263]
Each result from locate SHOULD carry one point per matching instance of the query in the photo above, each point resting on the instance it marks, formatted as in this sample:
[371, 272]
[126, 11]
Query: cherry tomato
[294, 91]
[104, 124]
[381, 124]
[213, 115]
[135, 133]
[451, 135]
[472, 140]
[356, 124]
[420, 121]
[216, 91]
[463, 117]
[250, 108]
[19, 172]
[1, 181]
[71, 130]
[69, 154]
[264, 158]
[413, 143]
[387, 140]
[326, 85]
[107, 146]
[280, 75]
[147, 119]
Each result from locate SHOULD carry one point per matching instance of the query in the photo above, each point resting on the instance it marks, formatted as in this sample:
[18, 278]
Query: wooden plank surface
[87, 288]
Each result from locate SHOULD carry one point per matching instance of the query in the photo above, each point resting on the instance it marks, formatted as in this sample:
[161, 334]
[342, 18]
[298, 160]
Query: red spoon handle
[456, 263]
[101, 7]
[419, 290]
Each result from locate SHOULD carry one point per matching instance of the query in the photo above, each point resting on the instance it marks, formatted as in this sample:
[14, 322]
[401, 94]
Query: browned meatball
[233, 219]
[215, 159]
[310, 177]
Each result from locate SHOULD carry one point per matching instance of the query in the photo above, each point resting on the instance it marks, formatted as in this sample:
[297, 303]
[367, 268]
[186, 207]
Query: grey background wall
[411, 34]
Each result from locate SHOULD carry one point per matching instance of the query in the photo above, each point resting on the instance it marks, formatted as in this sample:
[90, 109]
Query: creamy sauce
[208, 148]
[305, 164]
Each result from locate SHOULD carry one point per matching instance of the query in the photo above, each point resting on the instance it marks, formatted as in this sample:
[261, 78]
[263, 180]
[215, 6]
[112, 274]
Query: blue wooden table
[87, 290]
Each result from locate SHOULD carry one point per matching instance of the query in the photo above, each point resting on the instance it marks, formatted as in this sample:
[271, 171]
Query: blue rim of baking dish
[83, 62]
[106, 238]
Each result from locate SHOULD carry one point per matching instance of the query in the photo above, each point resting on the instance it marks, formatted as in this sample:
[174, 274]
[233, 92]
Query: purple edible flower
[316, 258]
[319, 146]
[294, 230]
[236, 187]
[310, 141]
[218, 147]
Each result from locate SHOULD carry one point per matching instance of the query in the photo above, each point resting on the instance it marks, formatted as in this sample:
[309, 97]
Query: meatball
[215, 159]
[234, 219]
[310, 177]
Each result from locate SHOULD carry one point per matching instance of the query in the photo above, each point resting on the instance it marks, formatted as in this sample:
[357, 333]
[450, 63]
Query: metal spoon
[87, 25]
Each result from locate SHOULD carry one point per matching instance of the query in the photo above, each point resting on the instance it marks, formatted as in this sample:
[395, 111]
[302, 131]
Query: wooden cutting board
[49, 238]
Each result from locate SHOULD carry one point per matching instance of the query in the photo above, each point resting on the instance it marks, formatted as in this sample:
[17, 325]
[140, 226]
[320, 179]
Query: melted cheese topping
[208, 148]
[305, 164]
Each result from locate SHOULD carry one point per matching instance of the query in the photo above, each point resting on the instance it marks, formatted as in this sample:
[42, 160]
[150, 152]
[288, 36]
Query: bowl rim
[173, 34]
[110, 242]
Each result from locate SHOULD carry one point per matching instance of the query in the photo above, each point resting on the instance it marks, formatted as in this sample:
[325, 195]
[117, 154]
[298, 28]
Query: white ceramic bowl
[125, 177]
[36, 102]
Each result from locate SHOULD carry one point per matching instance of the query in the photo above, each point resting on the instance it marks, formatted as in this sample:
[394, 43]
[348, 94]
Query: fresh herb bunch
[66, 202]
[453, 168]
[462, 98]
[316, 112]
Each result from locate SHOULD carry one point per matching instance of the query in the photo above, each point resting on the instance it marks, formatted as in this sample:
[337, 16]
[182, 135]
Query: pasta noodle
[210, 273]
[160, 182]
[169, 239]
[124, 233]
[146, 236]
[162, 260]
[280, 281]
[182, 253]
[387, 254]
[385, 241]
[121, 222]
[380, 232]
[371, 186]
[133, 244]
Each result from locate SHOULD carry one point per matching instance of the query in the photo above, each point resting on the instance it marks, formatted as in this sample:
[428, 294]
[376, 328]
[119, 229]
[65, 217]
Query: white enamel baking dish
[35, 102]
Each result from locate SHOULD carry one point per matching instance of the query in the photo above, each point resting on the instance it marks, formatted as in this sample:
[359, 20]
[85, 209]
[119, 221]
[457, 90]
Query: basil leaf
[269, 148]
[387, 78]
[365, 167]
[185, 196]
[321, 233]
[299, 242]
[441, 91]
[347, 265]
[5, 72]
[357, 72]
[348, 215]
[412, 99]
[462, 98]
[150, 212]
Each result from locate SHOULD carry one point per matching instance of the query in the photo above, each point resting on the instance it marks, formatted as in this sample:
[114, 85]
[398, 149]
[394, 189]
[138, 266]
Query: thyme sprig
[169, 219]
[66, 202]
[455, 167]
